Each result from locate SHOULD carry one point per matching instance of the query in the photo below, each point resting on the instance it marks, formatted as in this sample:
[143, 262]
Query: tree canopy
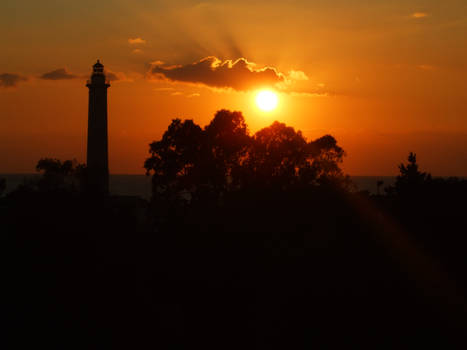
[189, 160]
[58, 175]
[410, 181]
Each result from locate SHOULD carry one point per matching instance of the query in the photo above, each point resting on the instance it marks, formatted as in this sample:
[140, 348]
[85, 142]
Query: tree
[410, 180]
[281, 156]
[175, 161]
[66, 175]
[323, 159]
[276, 155]
[225, 149]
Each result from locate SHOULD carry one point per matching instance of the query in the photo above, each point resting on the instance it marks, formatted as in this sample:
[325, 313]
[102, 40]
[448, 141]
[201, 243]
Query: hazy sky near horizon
[383, 77]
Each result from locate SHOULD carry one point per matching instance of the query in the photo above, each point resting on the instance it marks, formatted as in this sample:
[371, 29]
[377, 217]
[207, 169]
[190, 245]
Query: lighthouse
[97, 147]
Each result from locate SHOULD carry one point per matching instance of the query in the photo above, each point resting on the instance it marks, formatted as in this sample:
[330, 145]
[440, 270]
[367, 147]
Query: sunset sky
[383, 77]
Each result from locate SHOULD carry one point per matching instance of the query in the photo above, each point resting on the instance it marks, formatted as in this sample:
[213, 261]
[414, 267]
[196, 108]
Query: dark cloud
[239, 75]
[11, 80]
[58, 74]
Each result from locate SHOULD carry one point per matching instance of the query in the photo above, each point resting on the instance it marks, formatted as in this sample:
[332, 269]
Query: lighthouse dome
[98, 67]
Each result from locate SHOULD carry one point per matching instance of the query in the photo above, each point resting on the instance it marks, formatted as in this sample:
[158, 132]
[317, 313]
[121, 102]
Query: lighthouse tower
[97, 149]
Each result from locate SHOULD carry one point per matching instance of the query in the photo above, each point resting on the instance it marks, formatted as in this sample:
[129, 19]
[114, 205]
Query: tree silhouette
[191, 162]
[226, 147]
[66, 175]
[281, 157]
[277, 154]
[324, 158]
[176, 160]
[411, 180]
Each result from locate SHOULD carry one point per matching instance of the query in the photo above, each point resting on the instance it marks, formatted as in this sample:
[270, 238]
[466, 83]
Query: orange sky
[383, 77]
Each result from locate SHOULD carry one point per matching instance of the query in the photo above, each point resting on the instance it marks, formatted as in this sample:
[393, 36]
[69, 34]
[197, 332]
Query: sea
[140, 185]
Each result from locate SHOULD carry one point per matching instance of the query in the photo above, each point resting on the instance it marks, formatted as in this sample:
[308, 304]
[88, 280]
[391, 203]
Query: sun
[267, 100]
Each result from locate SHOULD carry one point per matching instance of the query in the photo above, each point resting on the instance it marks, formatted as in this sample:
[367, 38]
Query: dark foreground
[263, 270]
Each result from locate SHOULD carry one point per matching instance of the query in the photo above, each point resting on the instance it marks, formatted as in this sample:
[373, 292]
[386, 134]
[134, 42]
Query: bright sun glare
[266, 100]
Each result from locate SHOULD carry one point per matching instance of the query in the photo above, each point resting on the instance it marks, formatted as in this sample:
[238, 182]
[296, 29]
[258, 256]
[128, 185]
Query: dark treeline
[249, 241]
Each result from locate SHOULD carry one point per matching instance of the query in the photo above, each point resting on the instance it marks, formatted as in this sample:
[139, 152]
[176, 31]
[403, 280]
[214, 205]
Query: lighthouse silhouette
[97, 148]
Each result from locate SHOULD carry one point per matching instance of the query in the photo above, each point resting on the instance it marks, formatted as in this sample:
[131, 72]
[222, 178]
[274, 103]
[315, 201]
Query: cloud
[294, 76]
[58, 74]
[297, 75]
[137, 51]
[136, 41]
[240, 75]
[11, 80]
[318, 90]
[419, 15]
[173, 92]
[180, 93]
[310, 94]
[117, 76]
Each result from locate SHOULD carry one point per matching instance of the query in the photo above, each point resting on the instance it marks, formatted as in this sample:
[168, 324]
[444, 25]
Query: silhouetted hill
[285, 261]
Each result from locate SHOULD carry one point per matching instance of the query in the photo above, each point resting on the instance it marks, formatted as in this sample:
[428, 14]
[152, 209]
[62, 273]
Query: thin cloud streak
[420, 15]
[58, 74]
[136, 41]
[310, 94]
